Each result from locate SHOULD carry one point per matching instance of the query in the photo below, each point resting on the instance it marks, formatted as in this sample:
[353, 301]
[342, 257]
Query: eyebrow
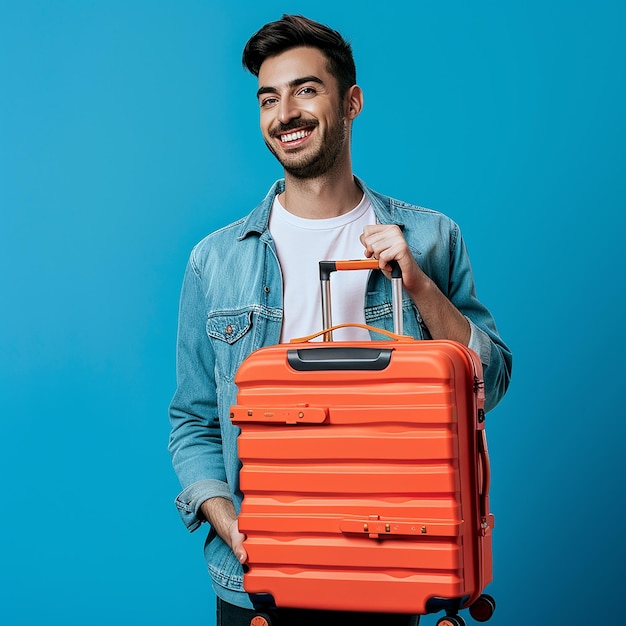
[296, 82]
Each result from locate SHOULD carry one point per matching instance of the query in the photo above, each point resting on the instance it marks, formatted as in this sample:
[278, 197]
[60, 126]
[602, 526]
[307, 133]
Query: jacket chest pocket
[232, 340]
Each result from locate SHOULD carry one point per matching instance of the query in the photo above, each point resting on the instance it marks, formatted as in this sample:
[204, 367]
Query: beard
[317, 162]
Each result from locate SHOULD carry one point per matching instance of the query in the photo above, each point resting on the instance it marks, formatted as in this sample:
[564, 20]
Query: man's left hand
[386, 243]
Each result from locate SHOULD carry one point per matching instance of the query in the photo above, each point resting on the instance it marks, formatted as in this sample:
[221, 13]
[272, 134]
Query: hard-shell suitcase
[365, 473]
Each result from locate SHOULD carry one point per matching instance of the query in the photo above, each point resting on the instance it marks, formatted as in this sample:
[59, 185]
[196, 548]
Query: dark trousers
[229, 615]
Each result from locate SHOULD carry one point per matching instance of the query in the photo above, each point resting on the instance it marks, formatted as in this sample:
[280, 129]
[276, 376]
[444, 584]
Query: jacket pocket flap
[229, 327]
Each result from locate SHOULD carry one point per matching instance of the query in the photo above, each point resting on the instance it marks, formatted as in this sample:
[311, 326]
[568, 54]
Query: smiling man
[302, 116]
[267, 287]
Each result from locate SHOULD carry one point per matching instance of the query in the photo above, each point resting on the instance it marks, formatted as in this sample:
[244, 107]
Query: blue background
[128, 131]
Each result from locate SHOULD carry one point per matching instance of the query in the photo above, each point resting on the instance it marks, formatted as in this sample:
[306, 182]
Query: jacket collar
[258, 220]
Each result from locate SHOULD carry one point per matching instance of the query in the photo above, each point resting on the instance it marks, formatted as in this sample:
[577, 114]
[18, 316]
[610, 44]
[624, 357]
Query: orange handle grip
[357, 264]
[327, 267]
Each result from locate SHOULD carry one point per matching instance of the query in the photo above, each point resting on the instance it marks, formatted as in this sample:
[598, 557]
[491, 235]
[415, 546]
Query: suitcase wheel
[261, 620]
[451, 620]
[482, 609]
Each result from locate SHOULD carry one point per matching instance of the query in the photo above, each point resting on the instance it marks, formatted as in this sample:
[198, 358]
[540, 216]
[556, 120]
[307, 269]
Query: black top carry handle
[327, 267]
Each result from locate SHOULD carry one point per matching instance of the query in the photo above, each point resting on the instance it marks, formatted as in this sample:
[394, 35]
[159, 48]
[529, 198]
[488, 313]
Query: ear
[354, 102]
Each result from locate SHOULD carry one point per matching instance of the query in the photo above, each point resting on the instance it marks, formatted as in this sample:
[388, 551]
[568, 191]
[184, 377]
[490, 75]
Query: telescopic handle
[326, 269]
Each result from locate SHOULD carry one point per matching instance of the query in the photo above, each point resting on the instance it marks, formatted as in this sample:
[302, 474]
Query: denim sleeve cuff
[480, 343]
[189, 500]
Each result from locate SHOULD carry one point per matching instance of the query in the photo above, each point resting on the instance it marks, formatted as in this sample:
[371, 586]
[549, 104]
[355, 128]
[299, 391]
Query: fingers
[241, 554]
[236, 541]
[385, 243]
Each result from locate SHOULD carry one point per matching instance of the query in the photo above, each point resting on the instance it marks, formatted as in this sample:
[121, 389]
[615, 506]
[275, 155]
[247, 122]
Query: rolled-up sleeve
[480, 343]
[189, 500]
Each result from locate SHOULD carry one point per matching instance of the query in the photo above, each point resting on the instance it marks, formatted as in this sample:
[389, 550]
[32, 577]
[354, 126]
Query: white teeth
[300, 134]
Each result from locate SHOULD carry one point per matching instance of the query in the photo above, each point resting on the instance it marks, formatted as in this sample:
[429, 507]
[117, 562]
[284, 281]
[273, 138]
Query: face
[302, 116]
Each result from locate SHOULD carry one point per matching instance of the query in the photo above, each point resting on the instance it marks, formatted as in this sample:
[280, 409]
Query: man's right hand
[220, 513]
[236, 542]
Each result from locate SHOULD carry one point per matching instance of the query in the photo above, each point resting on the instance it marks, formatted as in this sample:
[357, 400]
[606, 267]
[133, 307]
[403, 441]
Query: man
[255, 283]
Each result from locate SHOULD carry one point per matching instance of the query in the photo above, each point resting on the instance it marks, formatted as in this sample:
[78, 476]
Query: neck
[327, 196]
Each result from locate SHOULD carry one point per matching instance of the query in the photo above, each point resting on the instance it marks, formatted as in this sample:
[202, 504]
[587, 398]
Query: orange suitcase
[365, 474]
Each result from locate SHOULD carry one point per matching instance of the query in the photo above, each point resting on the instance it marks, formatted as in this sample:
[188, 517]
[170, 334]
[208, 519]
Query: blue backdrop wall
[128, 131]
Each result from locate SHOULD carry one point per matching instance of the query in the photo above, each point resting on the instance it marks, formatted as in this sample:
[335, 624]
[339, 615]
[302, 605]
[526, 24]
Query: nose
[287, 110]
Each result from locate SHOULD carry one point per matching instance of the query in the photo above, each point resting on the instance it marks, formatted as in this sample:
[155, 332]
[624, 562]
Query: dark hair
[292, 31]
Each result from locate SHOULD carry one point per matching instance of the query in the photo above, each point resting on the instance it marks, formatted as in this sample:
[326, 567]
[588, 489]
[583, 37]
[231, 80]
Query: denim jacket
[231, 305]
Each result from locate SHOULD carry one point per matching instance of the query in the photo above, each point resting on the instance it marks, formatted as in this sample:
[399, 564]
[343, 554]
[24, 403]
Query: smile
[296, 136]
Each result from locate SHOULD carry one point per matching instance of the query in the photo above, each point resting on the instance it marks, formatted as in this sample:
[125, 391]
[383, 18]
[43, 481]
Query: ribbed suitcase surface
[365, 475]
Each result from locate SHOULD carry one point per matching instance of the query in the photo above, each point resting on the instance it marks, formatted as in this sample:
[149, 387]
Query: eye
[268, 102]
[307, 91]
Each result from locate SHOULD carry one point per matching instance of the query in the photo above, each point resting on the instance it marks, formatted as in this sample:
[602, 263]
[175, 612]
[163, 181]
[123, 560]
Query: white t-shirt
[301, 244]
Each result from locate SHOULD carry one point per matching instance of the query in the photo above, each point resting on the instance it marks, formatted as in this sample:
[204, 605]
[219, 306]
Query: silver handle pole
[396, 301]
[326, 309]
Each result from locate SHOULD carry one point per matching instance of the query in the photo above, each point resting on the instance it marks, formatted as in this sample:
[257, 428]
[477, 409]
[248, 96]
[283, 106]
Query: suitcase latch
[302, 414]
[376, 528]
